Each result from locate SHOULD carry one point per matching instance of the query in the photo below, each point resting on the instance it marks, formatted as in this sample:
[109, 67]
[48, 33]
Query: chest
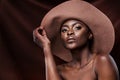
[87, 73]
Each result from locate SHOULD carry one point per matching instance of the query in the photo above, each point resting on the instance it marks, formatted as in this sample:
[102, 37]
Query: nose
[70, 32]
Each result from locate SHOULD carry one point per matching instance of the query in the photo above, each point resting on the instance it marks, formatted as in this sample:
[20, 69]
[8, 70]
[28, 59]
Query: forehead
[71, 22]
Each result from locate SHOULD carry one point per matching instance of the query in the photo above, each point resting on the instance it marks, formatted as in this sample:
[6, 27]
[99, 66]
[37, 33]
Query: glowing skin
[85, 64]
[74, 34]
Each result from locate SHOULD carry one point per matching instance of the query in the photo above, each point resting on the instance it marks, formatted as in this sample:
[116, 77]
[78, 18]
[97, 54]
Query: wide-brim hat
[98, 22]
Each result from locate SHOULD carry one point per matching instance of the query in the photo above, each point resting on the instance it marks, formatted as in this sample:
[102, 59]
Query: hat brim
[99, 24]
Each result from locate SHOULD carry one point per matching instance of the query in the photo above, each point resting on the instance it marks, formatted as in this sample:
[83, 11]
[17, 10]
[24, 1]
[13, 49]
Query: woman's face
[74, 34]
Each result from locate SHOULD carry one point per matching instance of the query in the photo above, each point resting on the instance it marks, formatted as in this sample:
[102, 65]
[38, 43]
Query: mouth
[70, 40]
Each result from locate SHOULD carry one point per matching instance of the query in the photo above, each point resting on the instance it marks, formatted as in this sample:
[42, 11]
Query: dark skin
[85, 65]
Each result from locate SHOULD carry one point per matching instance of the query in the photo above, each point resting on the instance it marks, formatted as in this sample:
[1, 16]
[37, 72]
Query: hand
[40, 37]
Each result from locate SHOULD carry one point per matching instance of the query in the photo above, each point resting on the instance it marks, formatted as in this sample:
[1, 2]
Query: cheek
[63, 36]
[82, 37]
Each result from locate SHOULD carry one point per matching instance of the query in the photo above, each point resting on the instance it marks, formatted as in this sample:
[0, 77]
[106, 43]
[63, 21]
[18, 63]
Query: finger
[36, 34]
[44, 32]
[38, 31]
[41, 27]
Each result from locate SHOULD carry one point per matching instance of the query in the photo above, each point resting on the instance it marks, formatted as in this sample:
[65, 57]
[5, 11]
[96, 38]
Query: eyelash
[78, 27]
[63, 30]
[75, 28]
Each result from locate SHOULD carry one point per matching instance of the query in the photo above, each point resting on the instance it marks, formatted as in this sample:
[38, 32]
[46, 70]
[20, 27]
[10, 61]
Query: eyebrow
[64, 25]
[76, 23]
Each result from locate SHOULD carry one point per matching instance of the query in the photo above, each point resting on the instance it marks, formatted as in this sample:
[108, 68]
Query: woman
[80, 34]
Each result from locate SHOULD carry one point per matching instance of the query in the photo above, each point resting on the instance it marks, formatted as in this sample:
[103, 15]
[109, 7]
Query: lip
[70, 39]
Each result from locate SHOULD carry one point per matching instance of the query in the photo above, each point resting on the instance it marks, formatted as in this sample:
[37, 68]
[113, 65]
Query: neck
[81, 55]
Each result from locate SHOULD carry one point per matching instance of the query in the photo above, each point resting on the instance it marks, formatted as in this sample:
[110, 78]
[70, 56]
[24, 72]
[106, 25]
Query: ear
[90, 35]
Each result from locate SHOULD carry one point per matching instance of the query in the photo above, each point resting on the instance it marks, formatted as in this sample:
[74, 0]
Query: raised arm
[41, 39]
[106, 68]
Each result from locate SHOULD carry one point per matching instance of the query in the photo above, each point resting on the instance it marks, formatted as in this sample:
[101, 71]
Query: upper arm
[106, 68]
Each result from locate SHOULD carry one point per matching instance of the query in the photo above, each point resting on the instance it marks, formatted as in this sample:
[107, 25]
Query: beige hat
[98, 22]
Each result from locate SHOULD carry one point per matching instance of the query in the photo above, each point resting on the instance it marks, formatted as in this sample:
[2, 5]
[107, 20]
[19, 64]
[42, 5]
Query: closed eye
[77, 27]
[64, 30]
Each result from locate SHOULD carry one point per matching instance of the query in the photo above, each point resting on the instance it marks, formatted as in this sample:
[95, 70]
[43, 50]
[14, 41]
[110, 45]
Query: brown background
[20, 58]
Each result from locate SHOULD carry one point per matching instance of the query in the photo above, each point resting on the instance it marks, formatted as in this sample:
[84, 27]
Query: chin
[71, 46]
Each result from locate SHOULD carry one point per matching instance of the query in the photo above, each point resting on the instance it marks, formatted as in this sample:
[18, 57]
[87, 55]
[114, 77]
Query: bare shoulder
[107, 60]
[106, 68]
